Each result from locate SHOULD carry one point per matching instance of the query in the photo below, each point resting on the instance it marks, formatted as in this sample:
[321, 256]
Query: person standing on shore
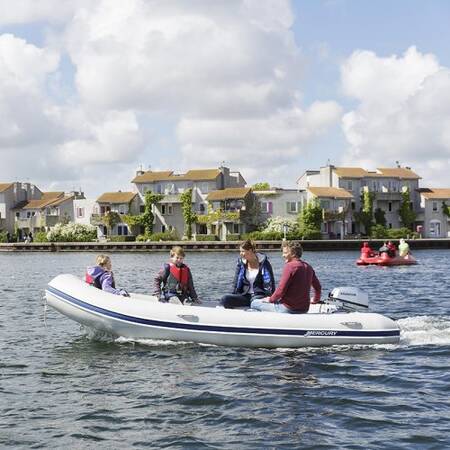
[293, 293]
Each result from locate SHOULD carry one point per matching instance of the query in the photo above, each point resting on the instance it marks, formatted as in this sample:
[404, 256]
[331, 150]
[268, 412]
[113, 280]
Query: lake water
[63, 386]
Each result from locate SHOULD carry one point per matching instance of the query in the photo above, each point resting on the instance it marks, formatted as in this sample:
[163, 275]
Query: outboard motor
[348, 299]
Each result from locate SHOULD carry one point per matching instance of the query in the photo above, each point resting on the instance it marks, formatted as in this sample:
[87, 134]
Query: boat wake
[425, 330]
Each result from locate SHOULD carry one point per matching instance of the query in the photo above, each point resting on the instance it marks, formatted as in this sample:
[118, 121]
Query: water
[62, 386]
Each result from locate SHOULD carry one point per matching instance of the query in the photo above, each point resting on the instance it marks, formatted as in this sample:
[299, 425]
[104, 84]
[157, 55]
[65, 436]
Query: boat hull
[143, 317]
[385, 260]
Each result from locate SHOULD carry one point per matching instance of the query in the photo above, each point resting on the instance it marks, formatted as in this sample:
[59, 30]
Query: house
[278, 202]
[336, 209]
[122, 203]
[168, 211]
[13, 195]
[386, 184]
[43, 213]
[230, 211]
[433, 221]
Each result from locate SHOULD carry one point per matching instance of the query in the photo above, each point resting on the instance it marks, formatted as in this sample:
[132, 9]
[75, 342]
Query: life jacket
[177, 278]
[96, 279]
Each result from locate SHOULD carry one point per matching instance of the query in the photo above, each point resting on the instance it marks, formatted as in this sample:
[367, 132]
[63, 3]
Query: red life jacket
[181, 274]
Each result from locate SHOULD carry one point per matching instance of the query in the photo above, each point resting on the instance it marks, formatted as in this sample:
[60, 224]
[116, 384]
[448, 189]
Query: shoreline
[208, 246]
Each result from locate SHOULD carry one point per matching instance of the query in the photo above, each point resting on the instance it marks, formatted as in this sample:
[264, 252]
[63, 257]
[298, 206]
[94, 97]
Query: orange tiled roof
[190, 175]
[228, 193]
[350, 172]
[441, 194]
[5, 186]
[330, 192]
[400, 172]
[116, 197]
[46, 200]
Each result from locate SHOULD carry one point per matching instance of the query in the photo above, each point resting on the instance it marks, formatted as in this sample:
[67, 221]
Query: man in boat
[293, 293]
[392, 249]
[174, 281]
[101, 276]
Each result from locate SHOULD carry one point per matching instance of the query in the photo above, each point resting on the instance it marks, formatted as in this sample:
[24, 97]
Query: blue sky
[96, 89]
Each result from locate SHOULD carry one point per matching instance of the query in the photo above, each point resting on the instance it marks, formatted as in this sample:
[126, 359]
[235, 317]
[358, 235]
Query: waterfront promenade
[308, 245]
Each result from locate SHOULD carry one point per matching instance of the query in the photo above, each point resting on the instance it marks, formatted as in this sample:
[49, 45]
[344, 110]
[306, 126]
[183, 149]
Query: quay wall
[111, 247]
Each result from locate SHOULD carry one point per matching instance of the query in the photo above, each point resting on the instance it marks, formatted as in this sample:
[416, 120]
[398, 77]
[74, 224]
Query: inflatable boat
[342, 319]
[385, 260]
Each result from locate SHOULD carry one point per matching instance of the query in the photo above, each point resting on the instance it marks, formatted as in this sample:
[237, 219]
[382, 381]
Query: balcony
[38, 221]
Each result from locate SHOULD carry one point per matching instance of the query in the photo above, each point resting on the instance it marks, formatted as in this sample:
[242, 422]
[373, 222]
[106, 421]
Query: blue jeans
[259, 305]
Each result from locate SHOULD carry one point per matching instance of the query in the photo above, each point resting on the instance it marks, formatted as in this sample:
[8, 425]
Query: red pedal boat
[385, 260]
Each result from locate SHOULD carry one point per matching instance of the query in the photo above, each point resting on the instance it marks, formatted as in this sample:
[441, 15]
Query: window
[142, 208]
[236, 228]
[167, 209]
[325, 204]
[390, 206]
[122, 230]
[292, 207]
[163, 228]
[28, 214]
[121, 209]
[350, 185]
[435, 206]
[80, 212]
[202, 208]
[18, 214]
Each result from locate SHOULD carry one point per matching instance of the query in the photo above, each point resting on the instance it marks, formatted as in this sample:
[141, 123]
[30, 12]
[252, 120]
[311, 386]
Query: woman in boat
[101, 276]
[366, 251]
[293, 293]
[253, 278]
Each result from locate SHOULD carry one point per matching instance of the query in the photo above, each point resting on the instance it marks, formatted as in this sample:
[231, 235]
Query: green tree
[311, 218]
[262, 186]
[365, 215]
[188, 214]
[111, 219]
[380, 217]
[150, 199]
[406, 213]
[445, 209]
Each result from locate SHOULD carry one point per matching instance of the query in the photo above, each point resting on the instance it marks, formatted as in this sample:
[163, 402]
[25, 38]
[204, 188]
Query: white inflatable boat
[341, 319]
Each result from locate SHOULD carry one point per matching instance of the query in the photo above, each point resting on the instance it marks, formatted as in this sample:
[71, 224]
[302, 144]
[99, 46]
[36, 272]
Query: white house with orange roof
[122, 203]
[434, 217]
[168, 212]
[387, 185]
[12, 196]
[43, 213]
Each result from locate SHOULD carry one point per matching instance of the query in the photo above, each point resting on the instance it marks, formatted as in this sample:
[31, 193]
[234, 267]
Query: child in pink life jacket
[101, 277]
[174, 280]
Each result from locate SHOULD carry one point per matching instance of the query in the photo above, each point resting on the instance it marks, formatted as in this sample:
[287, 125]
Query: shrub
[40, 236]
[233, 237]
[3, 236]
[378, 232]
[397, 233]
[206, 237]
[311, 234]
[123, 238]
[156, 237]
[72, 232]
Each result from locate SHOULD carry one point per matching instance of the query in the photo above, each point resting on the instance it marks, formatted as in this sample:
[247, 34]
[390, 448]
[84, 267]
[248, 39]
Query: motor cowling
[348, 298]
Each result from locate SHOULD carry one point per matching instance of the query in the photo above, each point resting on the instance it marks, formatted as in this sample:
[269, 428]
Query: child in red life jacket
[174, 280]
[101, 277]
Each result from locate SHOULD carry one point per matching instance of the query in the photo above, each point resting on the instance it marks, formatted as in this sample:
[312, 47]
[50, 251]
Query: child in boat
[101, 276]
[174, 281]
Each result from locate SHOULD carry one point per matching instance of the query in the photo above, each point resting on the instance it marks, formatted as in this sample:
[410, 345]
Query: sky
[92, 90]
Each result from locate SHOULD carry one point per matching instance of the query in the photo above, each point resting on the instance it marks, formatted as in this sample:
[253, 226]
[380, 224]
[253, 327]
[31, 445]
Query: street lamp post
[285, 230]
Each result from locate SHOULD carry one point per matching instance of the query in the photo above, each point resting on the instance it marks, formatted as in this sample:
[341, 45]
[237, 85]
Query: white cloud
[226, 73]
[403, 113]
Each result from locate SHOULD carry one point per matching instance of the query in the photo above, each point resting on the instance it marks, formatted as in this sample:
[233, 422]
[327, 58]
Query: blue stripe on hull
[218, 328]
